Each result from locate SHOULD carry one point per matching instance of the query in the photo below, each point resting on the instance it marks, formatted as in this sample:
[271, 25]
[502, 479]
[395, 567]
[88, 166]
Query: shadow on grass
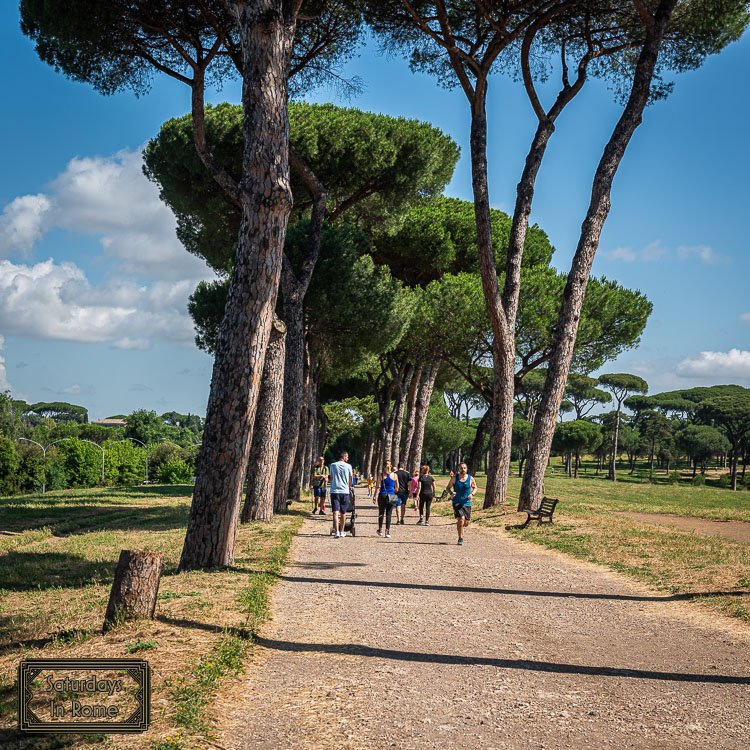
[30, 571]
[65, 521]
[358, 649]
[518, 592]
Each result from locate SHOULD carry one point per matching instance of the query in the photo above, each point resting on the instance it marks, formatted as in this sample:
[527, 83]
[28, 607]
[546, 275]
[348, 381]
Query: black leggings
[384, 509]
[425, 501]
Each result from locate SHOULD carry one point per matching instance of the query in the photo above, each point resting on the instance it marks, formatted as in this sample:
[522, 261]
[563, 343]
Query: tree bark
[615, 440]
[398, 411]
[135, 587]
[532, 488]
[421, 407]
[261, 467]
[477, 447]
[295, 478]
[266, 199]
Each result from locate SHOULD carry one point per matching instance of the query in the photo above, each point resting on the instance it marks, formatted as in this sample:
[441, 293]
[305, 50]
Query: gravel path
[414, 642]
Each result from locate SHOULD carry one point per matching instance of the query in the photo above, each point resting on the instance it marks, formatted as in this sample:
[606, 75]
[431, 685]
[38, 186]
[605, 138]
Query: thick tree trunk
[532, 488]
[266, 201]
[421, 407]
[261, 467]
[135, 587]
[477, 447]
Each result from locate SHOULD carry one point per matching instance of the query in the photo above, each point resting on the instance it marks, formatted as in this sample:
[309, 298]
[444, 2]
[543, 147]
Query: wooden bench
[542, 515]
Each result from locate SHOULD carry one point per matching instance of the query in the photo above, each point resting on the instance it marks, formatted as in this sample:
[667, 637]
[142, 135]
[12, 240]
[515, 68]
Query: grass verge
[58, 553]
[590, 525]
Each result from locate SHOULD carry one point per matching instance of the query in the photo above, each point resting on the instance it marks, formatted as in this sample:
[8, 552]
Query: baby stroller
[349, 526]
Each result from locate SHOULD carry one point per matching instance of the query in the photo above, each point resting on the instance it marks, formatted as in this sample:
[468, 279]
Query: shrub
[175, 471]
[9, 463]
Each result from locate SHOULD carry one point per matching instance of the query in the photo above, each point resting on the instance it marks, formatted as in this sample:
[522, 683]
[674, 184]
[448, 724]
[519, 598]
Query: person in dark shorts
[461, 489]
[387, 489]
[341, 489]
[426, 495]
[403, 493]
[319, 481]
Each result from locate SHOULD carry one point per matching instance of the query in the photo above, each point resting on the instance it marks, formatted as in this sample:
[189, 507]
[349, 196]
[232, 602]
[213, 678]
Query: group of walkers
[394, 488]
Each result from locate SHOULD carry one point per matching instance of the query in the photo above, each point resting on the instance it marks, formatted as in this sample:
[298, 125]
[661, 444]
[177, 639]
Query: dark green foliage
[440, 237]
[373, 167]
[60, 411]
[701, 443]
[9, 464]
[146, 426]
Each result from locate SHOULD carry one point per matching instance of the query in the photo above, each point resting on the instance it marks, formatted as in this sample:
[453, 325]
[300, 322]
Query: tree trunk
[612, 475]
[532, 488]
[266, 201]
[367, 467]
[477, 447]
[295, 478]
[421, 407]
[261, 468]
[294, 364]
[411, 399]
[135, 587]
[398, 421]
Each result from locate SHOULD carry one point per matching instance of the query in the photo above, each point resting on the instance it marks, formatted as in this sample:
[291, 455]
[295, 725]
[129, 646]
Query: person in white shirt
[341, 489]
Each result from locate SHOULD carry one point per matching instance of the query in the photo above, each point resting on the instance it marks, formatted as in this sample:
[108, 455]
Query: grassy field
[57, 558]
[589, 524]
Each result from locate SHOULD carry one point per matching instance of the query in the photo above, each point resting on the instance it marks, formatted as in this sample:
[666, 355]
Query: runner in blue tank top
[462, 488]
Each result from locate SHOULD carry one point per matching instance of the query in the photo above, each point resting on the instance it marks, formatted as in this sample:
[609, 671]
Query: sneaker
[402, 521]
[426, 523]
[387, 534]
[337, 535]
[343, 534]
[420, 521]
[460, 541]
[380, 533]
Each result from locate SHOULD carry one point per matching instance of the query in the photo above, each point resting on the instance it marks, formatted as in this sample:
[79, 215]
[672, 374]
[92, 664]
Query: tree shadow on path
[518, 592]
[357, 649]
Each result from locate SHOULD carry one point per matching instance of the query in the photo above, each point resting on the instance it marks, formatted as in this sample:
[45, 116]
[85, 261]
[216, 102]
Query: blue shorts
[340, 502]
[402, 498]
[319, 492]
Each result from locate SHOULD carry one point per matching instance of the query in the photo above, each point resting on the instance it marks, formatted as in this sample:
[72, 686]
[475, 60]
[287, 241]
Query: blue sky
[93, 283]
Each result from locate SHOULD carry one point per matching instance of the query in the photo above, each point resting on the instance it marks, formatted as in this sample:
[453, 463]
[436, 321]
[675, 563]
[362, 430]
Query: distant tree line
[54, 447]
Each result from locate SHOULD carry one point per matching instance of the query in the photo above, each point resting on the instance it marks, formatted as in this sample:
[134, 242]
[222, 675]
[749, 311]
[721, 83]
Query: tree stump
[135, 587]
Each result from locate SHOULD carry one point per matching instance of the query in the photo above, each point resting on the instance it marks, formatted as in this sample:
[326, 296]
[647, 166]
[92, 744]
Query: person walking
[370, 484]
[414, 488]
[319, 481]
[387, 499]
[341, 489]
[403, 492]
[462, 488]
[426, 495]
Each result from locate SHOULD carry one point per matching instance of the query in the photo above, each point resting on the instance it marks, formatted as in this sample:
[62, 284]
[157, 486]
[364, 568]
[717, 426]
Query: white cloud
[4, 385]
[109, 198]
[23, 222]
[654, 252]
[56, 301]
[745, 317]
[732, 364]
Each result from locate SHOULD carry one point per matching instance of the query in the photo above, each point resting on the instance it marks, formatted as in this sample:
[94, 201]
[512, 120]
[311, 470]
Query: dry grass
[589, 525]
[57, 558]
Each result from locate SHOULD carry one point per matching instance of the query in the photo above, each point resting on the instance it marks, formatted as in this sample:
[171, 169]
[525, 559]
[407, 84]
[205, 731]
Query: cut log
[135, 587]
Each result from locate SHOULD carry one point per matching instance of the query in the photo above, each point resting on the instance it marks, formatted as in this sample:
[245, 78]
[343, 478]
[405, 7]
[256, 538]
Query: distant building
[111, 422]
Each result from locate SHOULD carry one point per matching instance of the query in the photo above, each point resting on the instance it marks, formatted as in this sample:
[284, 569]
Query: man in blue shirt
[341, 487]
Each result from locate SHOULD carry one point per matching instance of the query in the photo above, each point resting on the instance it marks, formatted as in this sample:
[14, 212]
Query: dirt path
[414, 642]
[737, 530]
